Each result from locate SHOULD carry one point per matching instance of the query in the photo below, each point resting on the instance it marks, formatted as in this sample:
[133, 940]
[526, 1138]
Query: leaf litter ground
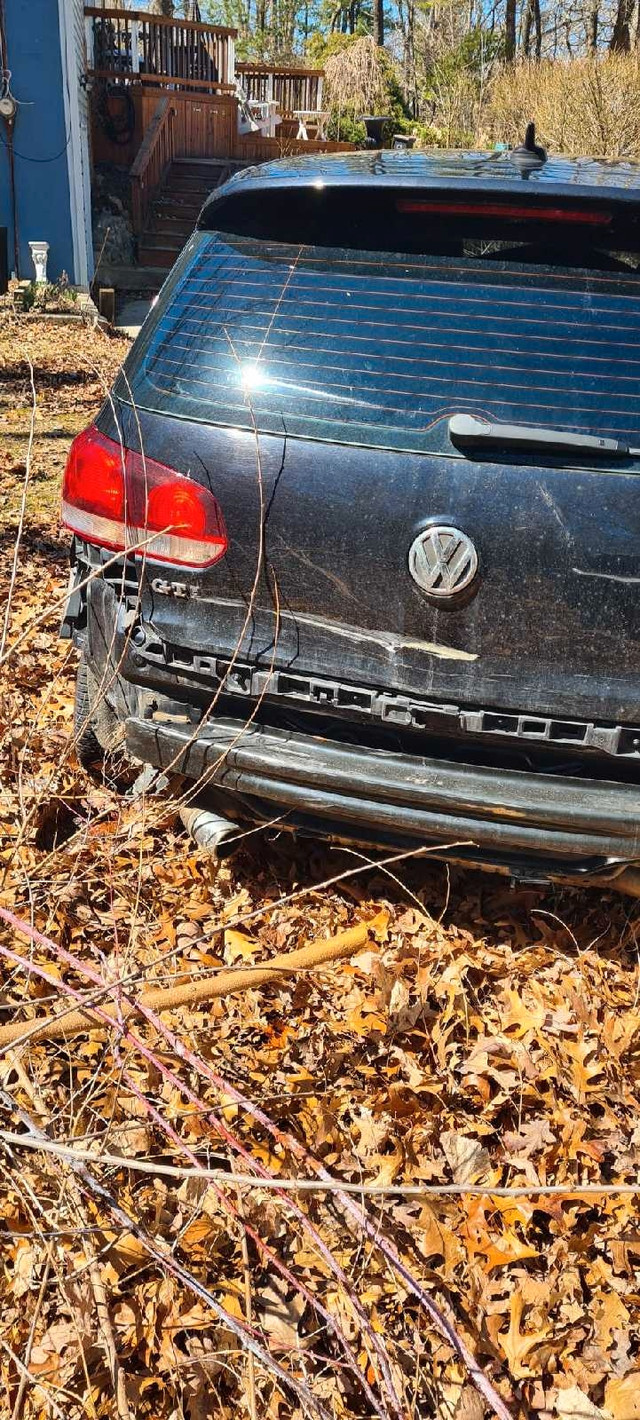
[490, 1037]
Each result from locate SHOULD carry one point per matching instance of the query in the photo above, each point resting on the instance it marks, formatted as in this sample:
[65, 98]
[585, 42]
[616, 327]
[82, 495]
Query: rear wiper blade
[467, 432]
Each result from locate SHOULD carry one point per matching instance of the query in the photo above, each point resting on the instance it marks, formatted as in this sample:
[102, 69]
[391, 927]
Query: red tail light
[505, 209]
[116, 498]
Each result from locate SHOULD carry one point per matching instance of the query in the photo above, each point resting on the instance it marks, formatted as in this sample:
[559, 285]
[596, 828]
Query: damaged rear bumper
[545, 823]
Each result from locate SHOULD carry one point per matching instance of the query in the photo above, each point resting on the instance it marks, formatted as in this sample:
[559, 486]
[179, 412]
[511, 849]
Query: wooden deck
[165, 92]
[135, 47]
[294, 90]
[219, 109]
[202, 126]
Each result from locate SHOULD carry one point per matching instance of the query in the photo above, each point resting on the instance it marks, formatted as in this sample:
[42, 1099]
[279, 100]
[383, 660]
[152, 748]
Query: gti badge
[443, 561]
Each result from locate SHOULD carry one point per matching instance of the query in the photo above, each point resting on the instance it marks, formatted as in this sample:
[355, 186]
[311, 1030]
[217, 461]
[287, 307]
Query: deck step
[185, 181]
[176, 206]
[208, 176]
[163, 258]
[173, 241]
[168, 226]
[174, 214]
[209, 163]
[178, 202]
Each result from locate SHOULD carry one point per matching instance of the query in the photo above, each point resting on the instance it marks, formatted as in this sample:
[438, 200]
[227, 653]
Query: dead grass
[580, 106]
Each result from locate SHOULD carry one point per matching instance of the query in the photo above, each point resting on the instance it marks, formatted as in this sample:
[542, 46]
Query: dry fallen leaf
[622, 1396]
[468, 1160]
[280, 1314]
[238, 947]
[573, 1404]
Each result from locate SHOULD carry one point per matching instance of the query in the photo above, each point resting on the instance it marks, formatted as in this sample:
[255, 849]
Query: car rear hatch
[305, 360]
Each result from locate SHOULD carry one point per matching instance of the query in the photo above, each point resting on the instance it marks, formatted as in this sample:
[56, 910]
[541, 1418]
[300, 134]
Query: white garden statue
[39, 252]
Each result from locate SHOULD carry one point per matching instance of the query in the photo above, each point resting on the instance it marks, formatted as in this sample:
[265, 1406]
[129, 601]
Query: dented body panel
[553, 622]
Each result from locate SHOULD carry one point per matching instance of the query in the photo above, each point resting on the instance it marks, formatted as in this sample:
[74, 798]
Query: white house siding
[72, 49]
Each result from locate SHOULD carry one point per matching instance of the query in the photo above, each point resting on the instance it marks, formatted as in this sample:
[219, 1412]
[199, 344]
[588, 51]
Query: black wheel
[96, 726]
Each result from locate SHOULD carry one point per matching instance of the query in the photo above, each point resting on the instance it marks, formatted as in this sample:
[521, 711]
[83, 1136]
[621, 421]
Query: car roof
[578, 178]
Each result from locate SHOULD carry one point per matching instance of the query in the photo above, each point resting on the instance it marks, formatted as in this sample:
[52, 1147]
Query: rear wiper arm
[467, 432]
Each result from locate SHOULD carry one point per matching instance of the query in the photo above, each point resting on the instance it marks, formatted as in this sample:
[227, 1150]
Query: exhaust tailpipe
[210, 830]
[628, 881]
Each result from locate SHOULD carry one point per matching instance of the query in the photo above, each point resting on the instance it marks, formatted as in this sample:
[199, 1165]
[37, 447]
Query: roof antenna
[530, 156]
[529, 153]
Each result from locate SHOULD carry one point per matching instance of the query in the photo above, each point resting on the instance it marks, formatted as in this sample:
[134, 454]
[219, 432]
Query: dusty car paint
[313, 625]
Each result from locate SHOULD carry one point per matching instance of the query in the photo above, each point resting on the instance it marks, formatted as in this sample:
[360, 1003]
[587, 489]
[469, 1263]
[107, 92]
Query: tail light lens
[118, 499]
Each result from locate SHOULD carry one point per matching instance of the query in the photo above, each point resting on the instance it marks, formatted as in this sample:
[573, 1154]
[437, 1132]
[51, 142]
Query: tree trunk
[411, 56]
[621, 37]
[527, 25]
[378, 22]
[537, 24]
[261, 26]
[510, 31]
[593, 25]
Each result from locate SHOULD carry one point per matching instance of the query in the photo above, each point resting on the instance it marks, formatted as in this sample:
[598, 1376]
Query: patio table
[311, 118]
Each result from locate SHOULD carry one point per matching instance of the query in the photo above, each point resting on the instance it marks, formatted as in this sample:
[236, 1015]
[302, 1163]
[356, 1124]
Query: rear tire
[96, 726]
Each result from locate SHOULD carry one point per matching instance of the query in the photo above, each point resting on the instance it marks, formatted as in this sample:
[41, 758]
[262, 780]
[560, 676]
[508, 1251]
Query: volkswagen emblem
[443, 561]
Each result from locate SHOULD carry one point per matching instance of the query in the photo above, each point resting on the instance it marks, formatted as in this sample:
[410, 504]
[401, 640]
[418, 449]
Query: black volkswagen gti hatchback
[357, 534]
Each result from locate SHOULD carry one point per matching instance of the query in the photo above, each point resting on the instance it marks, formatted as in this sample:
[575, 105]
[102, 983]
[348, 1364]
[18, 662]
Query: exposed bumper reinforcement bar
[573, 825]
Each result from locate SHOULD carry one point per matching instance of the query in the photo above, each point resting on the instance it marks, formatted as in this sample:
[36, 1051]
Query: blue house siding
[40, 138]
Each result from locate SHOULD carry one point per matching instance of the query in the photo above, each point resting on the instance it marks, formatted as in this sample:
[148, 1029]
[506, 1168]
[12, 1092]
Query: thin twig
[99, 1292]
[248, 1304]
[270, 1258]
[32, 1380]
[26, 1374]
[106, 1332]
[438, 1318]
[165, 1259]
[331, 1185]
[129, 1037]
[23, 508]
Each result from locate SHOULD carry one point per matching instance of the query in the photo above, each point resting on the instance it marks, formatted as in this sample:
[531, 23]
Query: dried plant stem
[23, 508]
[165, 1260]
[246, 1230]
[206, 988]
[375, 1343]
[439, 1320]
[25, 1376]
[106, 1332]
[248, 1303]
[99, 1294]
[330, 1185]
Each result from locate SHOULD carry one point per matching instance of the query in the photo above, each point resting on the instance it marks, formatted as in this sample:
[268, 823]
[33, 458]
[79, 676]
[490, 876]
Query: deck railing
[180, 54]
[294, 90]
[154, 157]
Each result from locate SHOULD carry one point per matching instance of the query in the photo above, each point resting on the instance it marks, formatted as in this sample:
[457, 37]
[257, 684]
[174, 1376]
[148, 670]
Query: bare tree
[593, 25]
[532, 21]
[510, 31]
[621, 37]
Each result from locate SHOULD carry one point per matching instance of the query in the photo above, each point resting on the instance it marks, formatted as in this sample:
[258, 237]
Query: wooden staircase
[175, 207]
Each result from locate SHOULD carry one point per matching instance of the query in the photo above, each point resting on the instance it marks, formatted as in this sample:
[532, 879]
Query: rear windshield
[380, 348]
[535, 227]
